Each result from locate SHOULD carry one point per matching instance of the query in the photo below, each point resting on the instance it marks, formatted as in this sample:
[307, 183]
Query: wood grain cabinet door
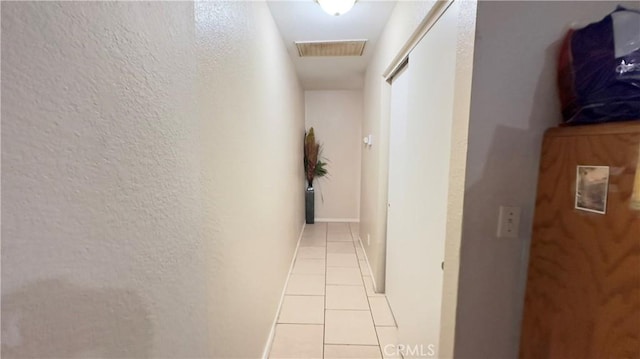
[583, 286]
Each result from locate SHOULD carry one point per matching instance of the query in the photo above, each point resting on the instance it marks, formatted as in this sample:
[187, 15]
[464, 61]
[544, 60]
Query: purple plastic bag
[599, 70]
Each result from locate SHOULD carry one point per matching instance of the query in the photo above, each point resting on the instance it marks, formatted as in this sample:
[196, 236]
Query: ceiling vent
[330, 48]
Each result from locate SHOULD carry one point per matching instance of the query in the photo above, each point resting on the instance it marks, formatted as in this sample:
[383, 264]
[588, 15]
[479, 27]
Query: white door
[419, 153]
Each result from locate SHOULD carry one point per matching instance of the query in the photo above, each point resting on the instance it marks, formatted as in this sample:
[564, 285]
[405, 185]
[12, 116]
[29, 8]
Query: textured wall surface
[336, 117]
[140, 191]
[514, 99]
[252, 111]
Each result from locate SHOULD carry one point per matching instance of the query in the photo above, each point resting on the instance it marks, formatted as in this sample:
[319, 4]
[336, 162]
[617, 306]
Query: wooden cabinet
[583, 284]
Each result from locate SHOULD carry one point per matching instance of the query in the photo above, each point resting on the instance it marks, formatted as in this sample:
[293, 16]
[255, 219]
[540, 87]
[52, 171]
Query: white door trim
[425, 25]
[457, 174]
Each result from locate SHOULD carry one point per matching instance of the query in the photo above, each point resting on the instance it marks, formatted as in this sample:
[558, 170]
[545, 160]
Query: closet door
[419, 154]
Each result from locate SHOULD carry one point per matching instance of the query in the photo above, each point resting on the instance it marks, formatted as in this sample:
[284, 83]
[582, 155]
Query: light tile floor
[330, 309]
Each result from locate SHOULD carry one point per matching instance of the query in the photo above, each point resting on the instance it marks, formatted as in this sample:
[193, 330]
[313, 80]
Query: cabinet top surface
[597, 129]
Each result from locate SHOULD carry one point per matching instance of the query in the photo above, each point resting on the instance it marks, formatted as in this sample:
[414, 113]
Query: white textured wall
[514, 100]
[336, 117]
[375, 159]
[139, 191]
[252, 112]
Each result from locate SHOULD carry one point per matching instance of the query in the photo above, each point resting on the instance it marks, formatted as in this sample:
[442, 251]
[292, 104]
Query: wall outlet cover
[509, 222]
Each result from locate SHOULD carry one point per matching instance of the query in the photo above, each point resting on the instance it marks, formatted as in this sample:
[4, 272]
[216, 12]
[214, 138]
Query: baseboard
[366, 258]
[350, 220]
[272, 332]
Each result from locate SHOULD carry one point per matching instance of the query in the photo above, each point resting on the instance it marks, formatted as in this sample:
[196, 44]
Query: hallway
[330, 309]
[154, 164]
[154, 189]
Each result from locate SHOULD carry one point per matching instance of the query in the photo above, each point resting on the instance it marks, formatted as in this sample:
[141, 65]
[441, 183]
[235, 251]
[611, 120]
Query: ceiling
[304, 20]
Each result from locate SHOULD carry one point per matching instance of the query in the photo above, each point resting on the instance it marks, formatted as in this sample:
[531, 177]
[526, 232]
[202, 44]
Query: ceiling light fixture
[336, 7]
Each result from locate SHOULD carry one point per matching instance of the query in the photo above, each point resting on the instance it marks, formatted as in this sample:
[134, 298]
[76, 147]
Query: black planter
[309, 203]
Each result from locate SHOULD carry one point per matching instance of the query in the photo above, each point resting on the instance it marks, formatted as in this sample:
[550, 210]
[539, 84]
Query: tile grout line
[324, 310]
[362, 284]
[272, 333]
[375, 328]
[393, 316]
[353, 345]
[366, 259]
[343, 285]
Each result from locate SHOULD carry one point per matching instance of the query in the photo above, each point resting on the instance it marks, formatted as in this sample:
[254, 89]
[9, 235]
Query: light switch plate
[508, 222]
